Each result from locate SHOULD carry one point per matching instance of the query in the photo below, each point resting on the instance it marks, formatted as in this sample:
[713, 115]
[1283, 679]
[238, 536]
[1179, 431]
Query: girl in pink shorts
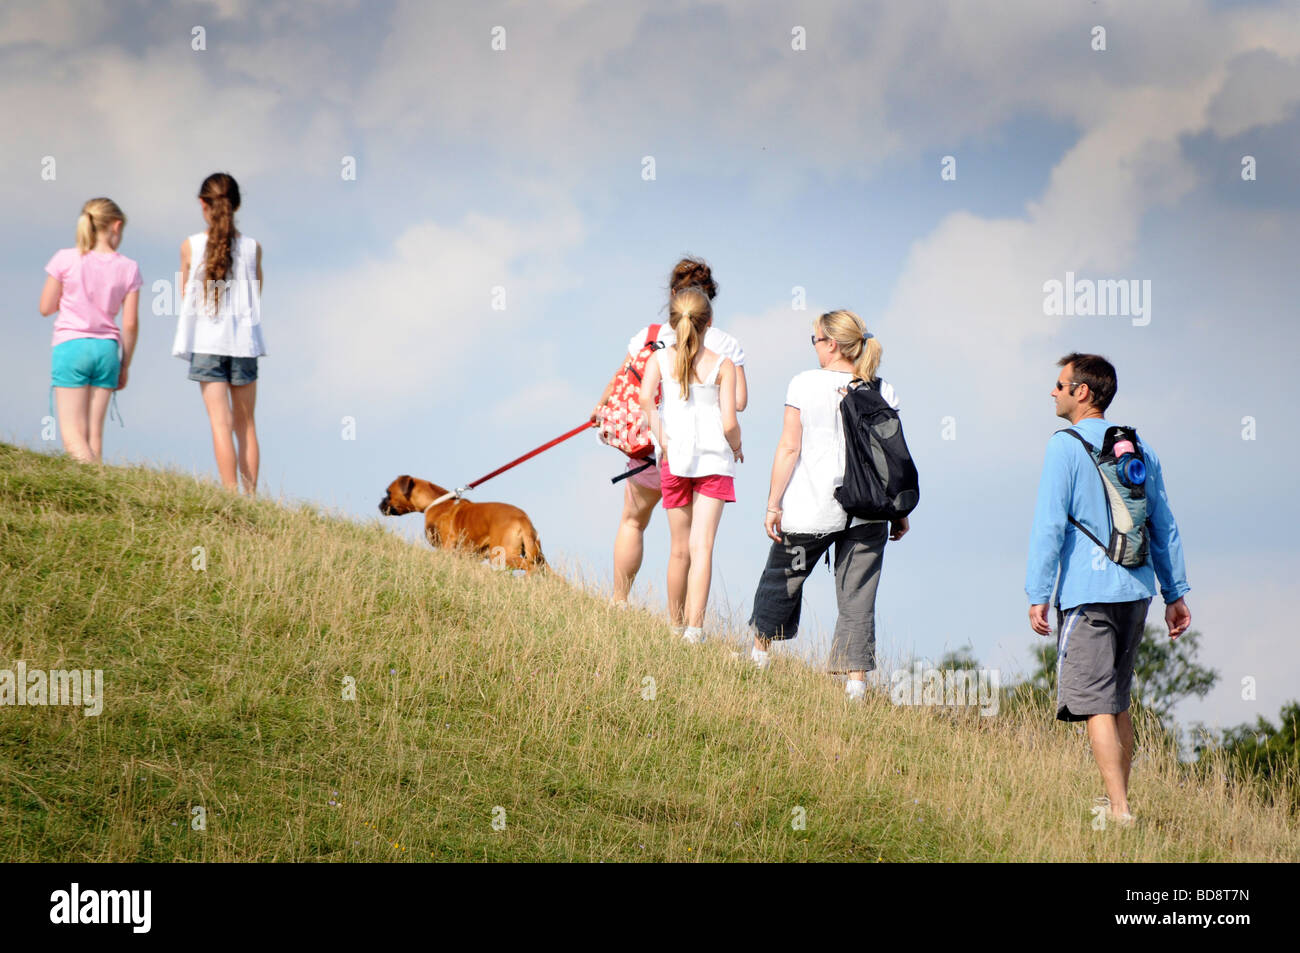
[696, 428]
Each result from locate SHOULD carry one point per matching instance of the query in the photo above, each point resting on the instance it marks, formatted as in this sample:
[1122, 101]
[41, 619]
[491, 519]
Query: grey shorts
[1096, 645]
[779, 597]
[236, 371]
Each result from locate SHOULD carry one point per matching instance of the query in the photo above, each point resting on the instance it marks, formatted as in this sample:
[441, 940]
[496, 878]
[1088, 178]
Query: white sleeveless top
[696, 443]
[235, 329]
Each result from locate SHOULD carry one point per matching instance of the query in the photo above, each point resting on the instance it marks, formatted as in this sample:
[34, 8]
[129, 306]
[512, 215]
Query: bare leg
[1108, 752]
[216, 397]
[1124, 723]
[242, 400]
[99, 398]
[73, 405]
[704, 529]
[679, 561]
[638, 505]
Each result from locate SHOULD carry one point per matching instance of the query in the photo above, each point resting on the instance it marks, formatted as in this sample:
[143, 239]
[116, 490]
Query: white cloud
[1261, 89]
[420, 320]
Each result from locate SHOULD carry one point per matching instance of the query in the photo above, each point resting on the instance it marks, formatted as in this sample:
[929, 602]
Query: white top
[696, 443]
[719, 342]
[235, 329]
[809, 504]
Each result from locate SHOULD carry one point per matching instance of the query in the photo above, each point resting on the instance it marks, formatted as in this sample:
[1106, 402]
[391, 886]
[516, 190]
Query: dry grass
[476, 690]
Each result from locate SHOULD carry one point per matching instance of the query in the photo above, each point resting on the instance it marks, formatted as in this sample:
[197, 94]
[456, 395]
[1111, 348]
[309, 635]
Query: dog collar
[442, 499]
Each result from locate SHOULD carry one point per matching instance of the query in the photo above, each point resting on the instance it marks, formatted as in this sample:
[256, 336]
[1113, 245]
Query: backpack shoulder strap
[1079, 437]
[652, 337]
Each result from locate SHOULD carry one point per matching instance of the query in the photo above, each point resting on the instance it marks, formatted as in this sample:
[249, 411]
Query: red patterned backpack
[621, 422]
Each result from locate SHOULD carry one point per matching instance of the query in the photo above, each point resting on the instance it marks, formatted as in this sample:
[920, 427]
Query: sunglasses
[816, 340]
[1072, 385]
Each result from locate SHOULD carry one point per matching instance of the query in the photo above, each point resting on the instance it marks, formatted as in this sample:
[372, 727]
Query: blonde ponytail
[868, 361]
[85, 232]
[858, 345]
[689, 313]
[96, 216]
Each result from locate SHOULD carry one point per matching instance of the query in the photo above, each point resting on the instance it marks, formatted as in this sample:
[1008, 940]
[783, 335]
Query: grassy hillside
[475, 691]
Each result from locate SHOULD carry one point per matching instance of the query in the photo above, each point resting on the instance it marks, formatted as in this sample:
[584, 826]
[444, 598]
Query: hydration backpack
[621, 422]
[1123, 472]
[880, 479]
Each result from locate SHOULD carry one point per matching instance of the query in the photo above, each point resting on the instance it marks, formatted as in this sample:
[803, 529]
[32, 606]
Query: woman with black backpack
[803, 515]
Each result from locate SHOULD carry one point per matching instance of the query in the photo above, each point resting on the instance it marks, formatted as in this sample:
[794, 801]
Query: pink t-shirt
[94, 285]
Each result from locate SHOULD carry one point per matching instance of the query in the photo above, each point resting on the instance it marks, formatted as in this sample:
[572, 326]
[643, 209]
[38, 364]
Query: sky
[559, 157]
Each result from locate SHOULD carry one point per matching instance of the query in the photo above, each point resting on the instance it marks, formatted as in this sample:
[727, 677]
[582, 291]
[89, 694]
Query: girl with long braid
[220, 328]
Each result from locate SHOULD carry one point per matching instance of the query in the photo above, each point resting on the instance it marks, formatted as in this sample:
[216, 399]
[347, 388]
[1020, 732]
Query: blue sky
[817, 168]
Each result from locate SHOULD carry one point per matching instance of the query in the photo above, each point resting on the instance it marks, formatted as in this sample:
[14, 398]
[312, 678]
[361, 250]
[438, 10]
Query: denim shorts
[236, 371]
[86, 362]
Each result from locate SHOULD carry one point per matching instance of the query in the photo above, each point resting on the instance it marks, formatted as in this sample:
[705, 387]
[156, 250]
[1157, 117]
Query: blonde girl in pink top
[87, 286]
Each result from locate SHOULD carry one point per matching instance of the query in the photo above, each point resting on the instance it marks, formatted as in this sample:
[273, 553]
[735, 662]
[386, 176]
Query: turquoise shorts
[86, 362]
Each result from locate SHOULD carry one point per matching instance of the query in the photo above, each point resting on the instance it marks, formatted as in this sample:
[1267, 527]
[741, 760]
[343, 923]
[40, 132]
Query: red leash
[587, 425]
[531, 453]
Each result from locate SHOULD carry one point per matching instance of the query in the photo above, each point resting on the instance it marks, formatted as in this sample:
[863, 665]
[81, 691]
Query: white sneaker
[693, 635]
[677, 630]
[760, 657]
[855, 690]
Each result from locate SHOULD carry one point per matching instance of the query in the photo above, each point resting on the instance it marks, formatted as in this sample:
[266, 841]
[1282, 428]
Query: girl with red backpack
[642, 491]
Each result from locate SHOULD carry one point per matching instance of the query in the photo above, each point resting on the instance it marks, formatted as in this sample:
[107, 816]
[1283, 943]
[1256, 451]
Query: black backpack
[880, 479]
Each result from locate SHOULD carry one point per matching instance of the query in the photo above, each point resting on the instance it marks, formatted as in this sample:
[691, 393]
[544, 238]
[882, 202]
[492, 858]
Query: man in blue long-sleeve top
[1101, 606]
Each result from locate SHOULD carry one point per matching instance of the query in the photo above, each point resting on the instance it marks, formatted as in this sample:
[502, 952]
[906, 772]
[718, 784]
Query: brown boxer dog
[501, 532]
